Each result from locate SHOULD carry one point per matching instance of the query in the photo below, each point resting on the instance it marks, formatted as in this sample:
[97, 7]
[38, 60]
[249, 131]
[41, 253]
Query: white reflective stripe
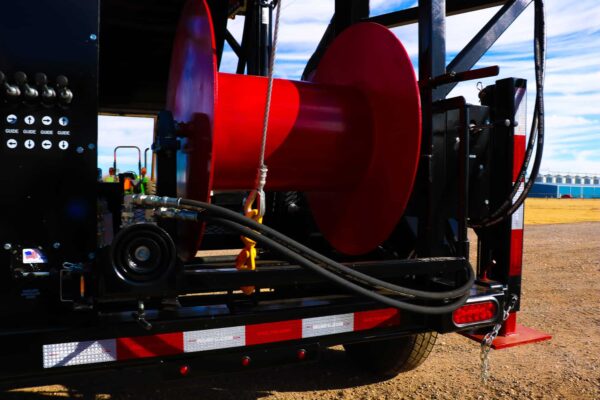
[79, 353]
[212, 339]
[329, 325]
[521, 113]
[518, 216]
[92, 352]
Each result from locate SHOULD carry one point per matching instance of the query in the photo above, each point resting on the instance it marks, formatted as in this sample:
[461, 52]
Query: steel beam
[223, 276]
[453, 7]
[432, 63]
[348, 12]
[484, 39]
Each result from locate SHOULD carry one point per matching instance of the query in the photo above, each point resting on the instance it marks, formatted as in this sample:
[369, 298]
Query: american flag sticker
[34, 256]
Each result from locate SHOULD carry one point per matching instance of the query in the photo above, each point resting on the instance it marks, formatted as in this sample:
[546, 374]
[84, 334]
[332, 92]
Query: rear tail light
[475, 313]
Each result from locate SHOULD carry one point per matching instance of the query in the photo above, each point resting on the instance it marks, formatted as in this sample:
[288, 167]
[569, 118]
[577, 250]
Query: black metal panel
[485, 38]
[136, 41]
[48, 152]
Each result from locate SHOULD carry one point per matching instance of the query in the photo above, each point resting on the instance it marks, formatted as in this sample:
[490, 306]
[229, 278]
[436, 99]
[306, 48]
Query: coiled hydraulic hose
[310, 259]
[319, 258]
[508, 207]
[306, 263]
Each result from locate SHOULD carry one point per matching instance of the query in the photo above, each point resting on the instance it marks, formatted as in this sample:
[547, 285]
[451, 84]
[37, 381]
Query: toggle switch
[64, 93]
[48, 93]
[28, 91]
[11, 91]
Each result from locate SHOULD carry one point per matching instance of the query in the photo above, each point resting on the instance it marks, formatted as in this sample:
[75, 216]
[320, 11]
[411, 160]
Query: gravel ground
[561, 296]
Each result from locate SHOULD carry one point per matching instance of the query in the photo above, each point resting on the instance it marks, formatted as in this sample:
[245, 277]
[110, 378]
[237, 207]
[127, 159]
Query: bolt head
[7, 246]
[93, 37]
[56, 245]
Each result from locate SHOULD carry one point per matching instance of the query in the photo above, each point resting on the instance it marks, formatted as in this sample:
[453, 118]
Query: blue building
[575, 185]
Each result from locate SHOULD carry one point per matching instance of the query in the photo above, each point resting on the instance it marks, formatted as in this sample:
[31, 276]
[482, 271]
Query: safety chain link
[488, 339]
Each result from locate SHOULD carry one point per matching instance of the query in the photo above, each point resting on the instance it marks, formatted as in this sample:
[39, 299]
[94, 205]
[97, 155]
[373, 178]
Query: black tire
[388, 358]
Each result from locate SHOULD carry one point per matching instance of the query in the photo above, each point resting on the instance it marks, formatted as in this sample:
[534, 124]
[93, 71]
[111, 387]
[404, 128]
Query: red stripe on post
[518, 154]
[273, 332]
[364, 320]
[149, 346]
[516, 252]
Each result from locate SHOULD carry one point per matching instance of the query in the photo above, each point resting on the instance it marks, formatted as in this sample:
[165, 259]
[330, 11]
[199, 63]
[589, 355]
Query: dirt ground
[561, 296]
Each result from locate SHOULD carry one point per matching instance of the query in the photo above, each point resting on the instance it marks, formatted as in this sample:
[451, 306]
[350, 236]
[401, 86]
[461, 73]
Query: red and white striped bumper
[168, 344]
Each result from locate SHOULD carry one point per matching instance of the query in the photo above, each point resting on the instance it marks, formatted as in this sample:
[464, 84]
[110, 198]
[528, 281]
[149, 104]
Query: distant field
[561, 211]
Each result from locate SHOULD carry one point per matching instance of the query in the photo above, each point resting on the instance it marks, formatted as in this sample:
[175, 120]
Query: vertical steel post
[432, 63]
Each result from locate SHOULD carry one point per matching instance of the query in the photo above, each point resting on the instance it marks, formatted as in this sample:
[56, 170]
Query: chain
[488, 339]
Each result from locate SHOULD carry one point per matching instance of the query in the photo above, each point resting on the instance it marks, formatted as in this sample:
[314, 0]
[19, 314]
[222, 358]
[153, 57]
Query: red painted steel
[315, 142]
[376, 319]
[273, 332]
[516, 253]
[149, 346]
[350, 139]
[191, 98]
[520, 335]
[519, 142]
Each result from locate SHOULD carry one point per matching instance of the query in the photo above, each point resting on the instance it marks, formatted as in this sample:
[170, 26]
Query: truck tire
[388, 358]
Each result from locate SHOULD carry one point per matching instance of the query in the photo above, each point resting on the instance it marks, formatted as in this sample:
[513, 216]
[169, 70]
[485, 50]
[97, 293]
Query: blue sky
[572, 72]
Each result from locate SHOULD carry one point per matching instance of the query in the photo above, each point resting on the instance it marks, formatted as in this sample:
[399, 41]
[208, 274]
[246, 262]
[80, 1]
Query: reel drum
[349, 139]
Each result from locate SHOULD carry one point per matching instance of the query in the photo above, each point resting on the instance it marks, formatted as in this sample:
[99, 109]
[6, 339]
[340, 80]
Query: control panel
[48, 127]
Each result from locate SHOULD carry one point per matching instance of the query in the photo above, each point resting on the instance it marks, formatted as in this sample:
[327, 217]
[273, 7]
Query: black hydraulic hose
[296, 258]
[325, 262]
[508, 207]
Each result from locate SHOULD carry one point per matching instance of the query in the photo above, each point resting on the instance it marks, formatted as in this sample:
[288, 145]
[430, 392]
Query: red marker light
[246, 361]
[301, 354]
[184, 370]
[475, 313]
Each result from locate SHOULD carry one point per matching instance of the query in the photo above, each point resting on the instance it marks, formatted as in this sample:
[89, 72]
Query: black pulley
[143, 254]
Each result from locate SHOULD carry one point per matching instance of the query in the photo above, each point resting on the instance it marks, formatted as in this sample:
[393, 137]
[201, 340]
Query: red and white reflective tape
[167, 344]
[518, 217]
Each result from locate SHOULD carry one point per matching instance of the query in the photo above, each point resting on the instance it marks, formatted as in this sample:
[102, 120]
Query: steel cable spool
[142, 254]
[348, 139]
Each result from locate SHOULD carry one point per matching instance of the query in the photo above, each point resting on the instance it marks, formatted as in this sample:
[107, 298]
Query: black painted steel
[411, 15]
[48, 153]
[208, 276]
[495, 241]
[432, 63]
[484, 39]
